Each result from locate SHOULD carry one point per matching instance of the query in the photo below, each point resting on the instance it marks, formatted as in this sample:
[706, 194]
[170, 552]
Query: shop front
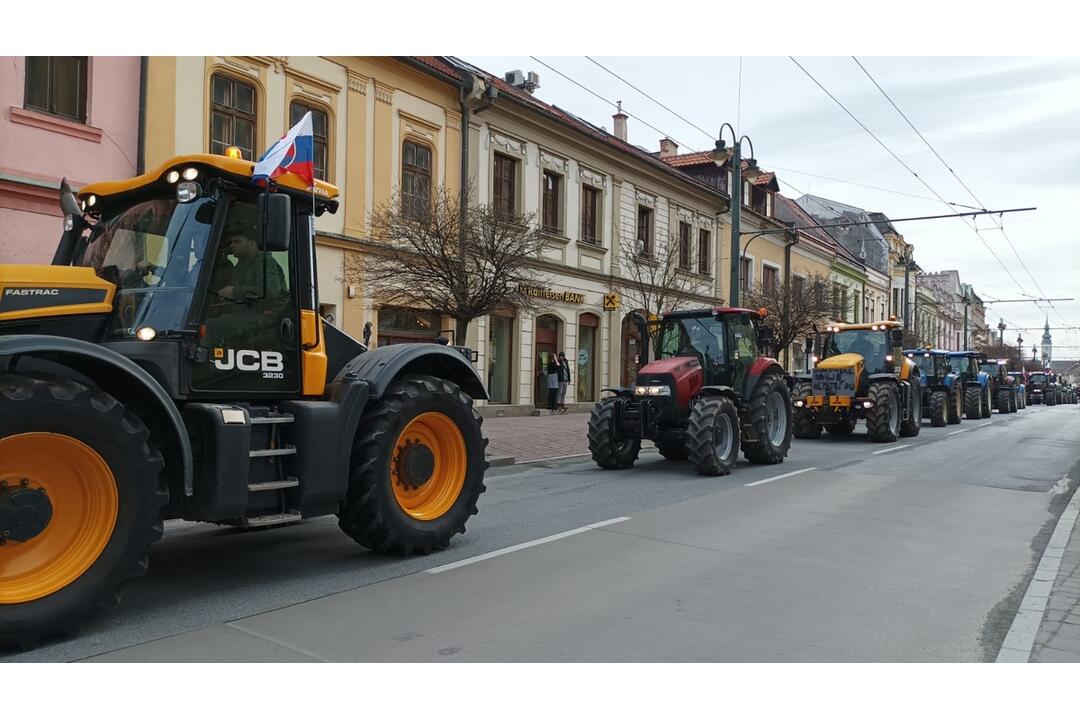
[406, 325]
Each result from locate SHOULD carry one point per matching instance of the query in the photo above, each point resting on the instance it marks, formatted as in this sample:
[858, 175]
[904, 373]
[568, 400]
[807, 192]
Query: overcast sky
[1008, 127]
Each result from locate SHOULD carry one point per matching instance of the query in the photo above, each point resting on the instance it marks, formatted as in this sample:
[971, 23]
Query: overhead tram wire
[908, 168]
[711, 136]
[1000, 226]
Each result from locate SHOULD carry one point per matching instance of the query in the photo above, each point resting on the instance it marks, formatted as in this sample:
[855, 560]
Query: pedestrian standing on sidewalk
[564, 380]
[553, 383]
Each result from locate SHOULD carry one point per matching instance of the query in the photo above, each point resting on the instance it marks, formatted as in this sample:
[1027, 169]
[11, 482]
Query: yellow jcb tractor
[861, 373]
[171, 363]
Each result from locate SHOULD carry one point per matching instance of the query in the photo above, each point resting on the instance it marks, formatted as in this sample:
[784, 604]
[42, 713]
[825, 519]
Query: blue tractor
[978, 391]
[942, 387]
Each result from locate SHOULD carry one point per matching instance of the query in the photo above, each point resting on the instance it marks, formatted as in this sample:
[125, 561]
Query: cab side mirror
[275, 221]
[897, 336]
[808, 347]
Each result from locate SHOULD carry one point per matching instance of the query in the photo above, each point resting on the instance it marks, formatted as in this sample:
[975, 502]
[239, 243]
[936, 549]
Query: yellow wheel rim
[83, 494]
[430, 498]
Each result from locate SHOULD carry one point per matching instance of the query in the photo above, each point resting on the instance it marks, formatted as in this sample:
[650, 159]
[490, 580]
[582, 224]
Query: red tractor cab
[709, 392]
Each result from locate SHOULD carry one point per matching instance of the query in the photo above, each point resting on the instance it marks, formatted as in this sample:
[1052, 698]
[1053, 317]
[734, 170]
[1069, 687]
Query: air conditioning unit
[515, 78]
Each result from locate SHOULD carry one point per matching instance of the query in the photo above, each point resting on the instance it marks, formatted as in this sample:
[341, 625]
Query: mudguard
[761, 366]
[716, 390]
[102, 366]
[380, 368]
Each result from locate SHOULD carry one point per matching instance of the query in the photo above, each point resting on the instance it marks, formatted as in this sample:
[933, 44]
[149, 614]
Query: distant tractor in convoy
[1037, 388]
[1019, 382]
[1001, 385]
[943, 389]
[707, 394]
[862, 373]
[978, 393]
[171, 363]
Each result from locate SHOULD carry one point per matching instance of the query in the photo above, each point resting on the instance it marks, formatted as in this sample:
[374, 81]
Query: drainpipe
[463, 194]
[787, 283]
[140, 159]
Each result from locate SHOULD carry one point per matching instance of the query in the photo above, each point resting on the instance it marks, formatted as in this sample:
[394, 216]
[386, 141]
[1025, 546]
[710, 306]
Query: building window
[588, 333]
[770, 278]
[684, 246]
[500, 358]
[703, 250]
[590, 215]
[232, 116]
[504, 192]
[644, 231]
[415, 180]
[319, 132]
[746, 266]
[552, 195]
[798, 286]
[57, 85]
[405, 325]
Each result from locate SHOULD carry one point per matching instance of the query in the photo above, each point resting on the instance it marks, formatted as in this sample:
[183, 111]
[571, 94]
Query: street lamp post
[1001, 329]
[1019, 352]
[720, 156]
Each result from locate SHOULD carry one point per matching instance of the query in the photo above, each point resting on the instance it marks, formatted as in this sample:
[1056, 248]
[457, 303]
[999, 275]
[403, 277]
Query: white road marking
[779, 477]
[957, 432]
[1025, 626]
[522, 546]
[987, 423]
[897, 447]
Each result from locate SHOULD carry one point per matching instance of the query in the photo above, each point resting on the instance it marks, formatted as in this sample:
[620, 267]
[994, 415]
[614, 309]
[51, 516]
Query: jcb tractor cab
[861, 373]
[171, 363]
[708, 393]
[943, 390]
[978, 393]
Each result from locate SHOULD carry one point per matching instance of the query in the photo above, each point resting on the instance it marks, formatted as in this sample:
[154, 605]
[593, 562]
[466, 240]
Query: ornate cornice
[453, 120]
[357, 82]
[508, 144]
[593, 178]
[384, 93]
[553, 162]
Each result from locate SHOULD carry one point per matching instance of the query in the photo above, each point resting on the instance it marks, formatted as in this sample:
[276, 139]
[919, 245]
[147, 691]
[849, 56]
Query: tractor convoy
[171, 362]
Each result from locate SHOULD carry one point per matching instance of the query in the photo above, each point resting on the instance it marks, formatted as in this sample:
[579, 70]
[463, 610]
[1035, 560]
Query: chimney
[620, 123]
[668, 148]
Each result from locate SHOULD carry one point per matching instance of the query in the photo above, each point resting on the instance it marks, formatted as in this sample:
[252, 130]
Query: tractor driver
[256, 276]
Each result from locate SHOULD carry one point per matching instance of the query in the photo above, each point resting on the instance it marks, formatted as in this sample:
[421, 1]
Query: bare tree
[417, 259]
[795, 309]
[658, 282]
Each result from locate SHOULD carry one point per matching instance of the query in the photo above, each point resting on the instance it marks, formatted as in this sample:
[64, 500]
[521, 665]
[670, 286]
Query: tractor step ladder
[270, 520]
[274, 485]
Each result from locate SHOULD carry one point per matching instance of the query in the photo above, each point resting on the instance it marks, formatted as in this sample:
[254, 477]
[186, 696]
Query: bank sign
[549, 294]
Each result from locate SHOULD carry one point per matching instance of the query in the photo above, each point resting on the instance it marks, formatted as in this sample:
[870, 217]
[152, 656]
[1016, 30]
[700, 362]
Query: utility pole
[736, 211]
[907, 290]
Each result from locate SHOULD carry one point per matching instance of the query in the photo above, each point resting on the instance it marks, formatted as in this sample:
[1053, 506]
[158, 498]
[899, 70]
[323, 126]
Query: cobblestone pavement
[536, 438]
[1058, 638]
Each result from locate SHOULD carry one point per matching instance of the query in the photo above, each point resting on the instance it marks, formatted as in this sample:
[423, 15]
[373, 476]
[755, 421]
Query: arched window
[232, 115]
[415, 180]
[320, 131]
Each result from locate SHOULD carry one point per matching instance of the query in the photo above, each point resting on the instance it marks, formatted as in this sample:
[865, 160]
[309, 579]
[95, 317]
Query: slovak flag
[294, 153]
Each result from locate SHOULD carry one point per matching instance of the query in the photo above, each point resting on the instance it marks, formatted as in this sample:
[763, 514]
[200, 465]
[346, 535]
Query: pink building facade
[60, 117]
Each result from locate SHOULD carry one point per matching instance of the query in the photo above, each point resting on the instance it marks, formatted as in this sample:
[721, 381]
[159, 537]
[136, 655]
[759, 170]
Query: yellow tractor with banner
[861, 374]
[171, 363]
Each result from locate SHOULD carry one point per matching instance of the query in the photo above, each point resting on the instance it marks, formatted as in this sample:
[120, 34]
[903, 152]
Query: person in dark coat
[553, 383]
[564, 381]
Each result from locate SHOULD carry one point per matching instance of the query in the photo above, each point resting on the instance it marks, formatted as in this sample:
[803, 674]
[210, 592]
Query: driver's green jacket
[247, 278]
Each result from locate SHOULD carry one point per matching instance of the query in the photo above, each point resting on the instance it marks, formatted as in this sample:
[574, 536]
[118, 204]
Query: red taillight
[202, 331]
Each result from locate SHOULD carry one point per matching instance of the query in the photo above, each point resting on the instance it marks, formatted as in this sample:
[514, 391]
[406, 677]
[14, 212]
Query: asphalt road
[850, 550]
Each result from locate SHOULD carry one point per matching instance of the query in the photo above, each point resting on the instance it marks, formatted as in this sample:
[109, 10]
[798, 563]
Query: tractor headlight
[146, 333]
[190, 173]
[799, 403]
[187, 191]
[867, 404]
[652, 390]
[172, 177]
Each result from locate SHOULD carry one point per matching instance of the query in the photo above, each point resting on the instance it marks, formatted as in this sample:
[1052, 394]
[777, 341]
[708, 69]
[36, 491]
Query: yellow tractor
[861, 373]
[171, 363]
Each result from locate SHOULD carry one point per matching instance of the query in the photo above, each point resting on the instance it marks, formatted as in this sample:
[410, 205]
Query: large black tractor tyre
[770, 418]
[672, 450]
[844, 427]
[987, 402]
[609, 451]
[93, 460]
[1049, 400]
[883, 419]
[416, 469]
[1003, 402]
[956, 406]
[803, 424]
[912, 426]
[939, 409]
[1014, 401]
[713, 435]
[973, 403]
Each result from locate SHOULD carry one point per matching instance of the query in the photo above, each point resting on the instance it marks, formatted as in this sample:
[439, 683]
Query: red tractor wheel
[713, 435]
[770, 417]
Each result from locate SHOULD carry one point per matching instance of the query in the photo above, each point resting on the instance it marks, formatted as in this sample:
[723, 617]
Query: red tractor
[707, 394]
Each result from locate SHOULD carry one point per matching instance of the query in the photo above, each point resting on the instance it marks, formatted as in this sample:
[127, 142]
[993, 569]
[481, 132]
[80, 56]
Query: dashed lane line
[779, 477]
[522, 546]
[891, 449]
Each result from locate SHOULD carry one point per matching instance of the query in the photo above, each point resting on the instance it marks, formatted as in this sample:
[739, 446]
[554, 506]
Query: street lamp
[1019, 352]
[720, 155]
[1001, 329]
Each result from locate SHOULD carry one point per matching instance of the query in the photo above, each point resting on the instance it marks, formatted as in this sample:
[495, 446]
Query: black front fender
[115, 374]
[380, 368]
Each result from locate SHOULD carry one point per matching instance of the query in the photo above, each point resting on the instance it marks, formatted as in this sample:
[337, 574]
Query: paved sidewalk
[526, 439]
[1058, 638]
